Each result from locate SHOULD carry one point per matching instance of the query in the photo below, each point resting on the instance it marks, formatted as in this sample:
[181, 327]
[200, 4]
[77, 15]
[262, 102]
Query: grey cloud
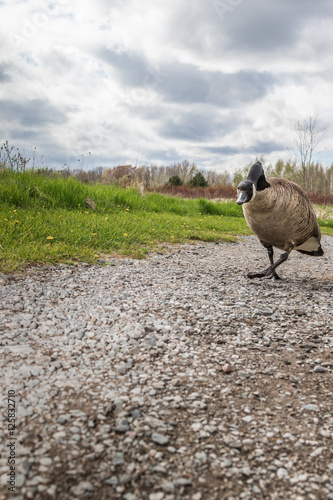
[201, 124]
[25, 134]
[159, 156]
[257, 148]
[55, 62]
[36, 112]
[132, 68]
[223, 150]
[249, 26]
[4, 76]
[185, 83]
[266, 147]
[193, 127]
[268, 26]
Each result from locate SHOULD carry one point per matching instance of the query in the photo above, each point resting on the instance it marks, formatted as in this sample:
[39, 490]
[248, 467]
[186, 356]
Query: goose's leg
[270, 251]
[271, 270]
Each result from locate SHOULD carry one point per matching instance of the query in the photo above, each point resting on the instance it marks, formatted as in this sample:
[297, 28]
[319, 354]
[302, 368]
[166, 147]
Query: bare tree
[307, 139]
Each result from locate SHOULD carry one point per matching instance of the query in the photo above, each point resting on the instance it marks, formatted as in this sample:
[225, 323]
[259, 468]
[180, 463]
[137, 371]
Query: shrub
[198, 180]
[175, 180]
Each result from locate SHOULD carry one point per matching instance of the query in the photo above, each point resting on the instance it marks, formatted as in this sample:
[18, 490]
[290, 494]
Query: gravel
[170, 378]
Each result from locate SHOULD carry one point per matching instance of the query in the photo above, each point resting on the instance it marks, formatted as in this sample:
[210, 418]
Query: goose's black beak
[242, 197]
[245, 192]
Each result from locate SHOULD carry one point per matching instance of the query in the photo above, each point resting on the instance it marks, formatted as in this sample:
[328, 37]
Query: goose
[279, 212]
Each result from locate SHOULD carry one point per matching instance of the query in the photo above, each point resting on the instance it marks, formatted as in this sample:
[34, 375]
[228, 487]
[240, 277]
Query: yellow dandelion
[60, 215]
[125, 234]
[17, 221]
[14, 211]
[50, 238]
[96, 256]
[93, 234]
[85, 212]
[106, 218]
[6, 220]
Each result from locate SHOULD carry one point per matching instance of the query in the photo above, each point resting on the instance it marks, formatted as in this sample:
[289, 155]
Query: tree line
[314, 178]
[301, 167]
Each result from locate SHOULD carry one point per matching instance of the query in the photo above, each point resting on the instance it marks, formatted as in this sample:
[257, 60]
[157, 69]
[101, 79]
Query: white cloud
[218, 83]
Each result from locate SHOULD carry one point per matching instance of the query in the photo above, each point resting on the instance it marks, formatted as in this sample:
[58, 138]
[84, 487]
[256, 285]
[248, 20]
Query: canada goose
[280, 214]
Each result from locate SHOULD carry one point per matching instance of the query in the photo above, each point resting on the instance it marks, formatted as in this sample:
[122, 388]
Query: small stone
[156, 496]
[201, 456]
[235, 444]
[320, 369]
[82, 489]
[281, 473]
[118, 458]
[227, 368]
[20, 480]
[317, 452]
[225, 462]
[46, 461]
[183, 481]
[125, 479]
[247, 419]
[168, 486]
[121, 428]
[246, 471]
[311, 407]
[58, 436]
[303, 477]
[51, 490]
[160, 438]
[130, 496]
[112, 481]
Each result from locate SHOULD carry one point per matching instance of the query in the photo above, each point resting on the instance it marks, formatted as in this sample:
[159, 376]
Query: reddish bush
[321, 199]
[210, 192]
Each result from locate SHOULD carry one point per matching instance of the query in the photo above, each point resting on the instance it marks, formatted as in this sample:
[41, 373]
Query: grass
[45, 220]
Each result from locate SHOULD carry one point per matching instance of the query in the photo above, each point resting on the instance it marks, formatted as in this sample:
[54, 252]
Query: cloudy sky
[111, 82]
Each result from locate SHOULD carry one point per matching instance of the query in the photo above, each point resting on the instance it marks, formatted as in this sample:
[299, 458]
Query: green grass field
[46, 220]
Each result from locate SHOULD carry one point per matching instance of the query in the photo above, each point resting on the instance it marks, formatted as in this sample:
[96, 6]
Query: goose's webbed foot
[274, 276]
[270, 272]
[263, 274]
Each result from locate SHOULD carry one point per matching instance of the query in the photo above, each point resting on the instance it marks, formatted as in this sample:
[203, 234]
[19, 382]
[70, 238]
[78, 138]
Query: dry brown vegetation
[211, 192]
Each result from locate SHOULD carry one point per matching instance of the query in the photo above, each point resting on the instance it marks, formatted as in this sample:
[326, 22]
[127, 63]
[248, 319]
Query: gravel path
[170, 378]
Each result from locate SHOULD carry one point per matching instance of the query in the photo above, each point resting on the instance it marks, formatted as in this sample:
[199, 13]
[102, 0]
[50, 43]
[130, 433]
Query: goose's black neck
[257, 177]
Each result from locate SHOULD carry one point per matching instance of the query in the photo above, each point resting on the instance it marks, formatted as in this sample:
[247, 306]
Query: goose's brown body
[282, 216]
